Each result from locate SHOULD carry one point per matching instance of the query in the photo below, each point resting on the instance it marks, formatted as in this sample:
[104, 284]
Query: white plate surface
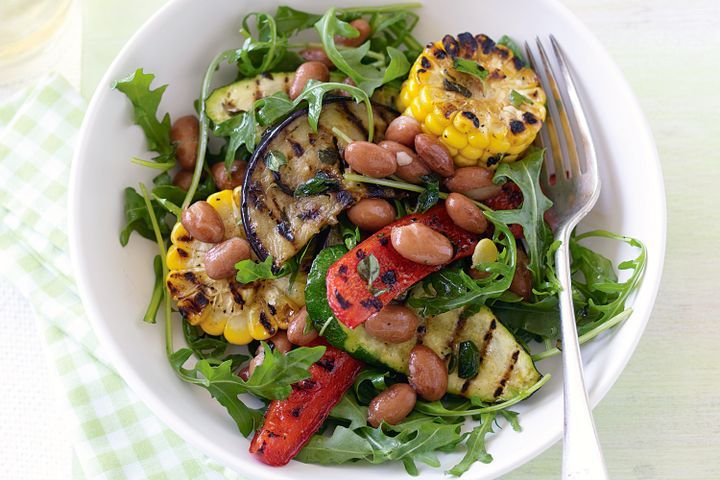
[176, 45]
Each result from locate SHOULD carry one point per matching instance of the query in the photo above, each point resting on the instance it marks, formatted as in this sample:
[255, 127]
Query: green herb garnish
[473, 68]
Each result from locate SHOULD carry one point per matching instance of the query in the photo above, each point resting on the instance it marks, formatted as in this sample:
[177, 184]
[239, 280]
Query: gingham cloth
[114, 434]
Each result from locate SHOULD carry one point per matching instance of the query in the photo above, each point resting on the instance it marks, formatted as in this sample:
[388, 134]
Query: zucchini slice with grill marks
[505, 369]
[286, 202]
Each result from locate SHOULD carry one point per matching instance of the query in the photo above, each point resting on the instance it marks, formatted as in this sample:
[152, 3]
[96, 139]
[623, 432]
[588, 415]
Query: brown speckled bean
[465, 214]
[306, 72]
[393, 324]
[473, 182]
[435, 155]
[392, 405]
[202, 221]
[370, 159]
[409, 166]
[296, 329]
[403, 130]
[225, 181]
[316, 54]
[522, 280]
[220, 260]
[428, 374]
[184, 134]
[371, 214]
[183, 179]
[362, 26]
[421, 244]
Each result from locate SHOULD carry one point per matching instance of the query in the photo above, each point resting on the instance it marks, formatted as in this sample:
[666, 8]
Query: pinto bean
[362, 26]
[306, 72]
[370, 159]
[465, 214]
[403, 130]
[393, 324]
[184, 134]
[228, 181]
[183, 179]
[392, 405]
[280, 342]
[409, 166]
[371, 214]
[473, 182]
[256, 361]
[421, 244]
[428, 374]
[202, 221]
[435, 155]
[316, 54]
[296, 329]
[220, 260]
[521, 284]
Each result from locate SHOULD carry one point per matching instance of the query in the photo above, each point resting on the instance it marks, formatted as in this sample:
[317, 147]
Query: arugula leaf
[517, 98]
[290, 21]
[366, 76]
[157, 293]
[428, 198]
[350, 233]
[344, 445]
[510, 43]
[263, 52]
[314, 93]
[275, 160]
[277, 372]
[204, 346]
[240, 129]
[137, 218]
[249, 271]
[470, 67]
[320, 183]
[525, 174]
[349, 409]
[145, 103]
[271, 380]
[476, 449]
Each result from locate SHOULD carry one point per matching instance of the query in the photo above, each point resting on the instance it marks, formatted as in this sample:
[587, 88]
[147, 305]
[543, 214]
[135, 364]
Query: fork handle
[582, 455]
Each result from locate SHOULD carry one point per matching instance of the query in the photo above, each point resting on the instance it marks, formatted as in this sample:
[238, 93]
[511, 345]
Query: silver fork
[572, 183]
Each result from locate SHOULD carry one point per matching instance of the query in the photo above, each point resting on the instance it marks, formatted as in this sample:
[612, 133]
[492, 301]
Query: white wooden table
[662, 418]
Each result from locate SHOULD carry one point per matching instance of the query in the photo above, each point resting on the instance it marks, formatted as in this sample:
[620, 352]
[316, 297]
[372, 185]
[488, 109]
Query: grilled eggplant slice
[285, 203]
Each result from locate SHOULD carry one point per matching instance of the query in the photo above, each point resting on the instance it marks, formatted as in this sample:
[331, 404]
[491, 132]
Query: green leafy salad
[354, 232]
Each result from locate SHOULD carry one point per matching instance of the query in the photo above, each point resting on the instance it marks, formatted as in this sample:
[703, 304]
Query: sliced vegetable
[282, 210]
[289, 424]
[353, 301]
[240, 312]
[504, 367]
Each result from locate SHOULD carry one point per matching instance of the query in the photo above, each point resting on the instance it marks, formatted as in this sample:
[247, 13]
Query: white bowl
[176, 44]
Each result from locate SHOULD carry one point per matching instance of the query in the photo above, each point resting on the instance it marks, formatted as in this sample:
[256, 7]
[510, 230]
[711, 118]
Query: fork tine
[559, 108]
[576, 110]
[548, 137]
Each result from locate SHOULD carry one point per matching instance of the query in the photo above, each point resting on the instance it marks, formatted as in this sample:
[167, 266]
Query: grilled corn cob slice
[482, 121]
[240, 312]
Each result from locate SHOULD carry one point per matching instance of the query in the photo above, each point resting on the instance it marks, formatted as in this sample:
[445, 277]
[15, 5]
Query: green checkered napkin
[116, 435]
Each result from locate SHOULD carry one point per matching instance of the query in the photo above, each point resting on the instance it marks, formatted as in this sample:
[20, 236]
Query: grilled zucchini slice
[278, 218]
[505, 369]
[225, 307]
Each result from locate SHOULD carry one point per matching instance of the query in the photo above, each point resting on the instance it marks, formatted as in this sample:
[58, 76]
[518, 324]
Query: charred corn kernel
[471, 153]
[485, 252]
[453, 138]
[214, 324]
[462, 161]
[223, 307]
[435, 87]
[237, 331]
[178, 258]
[479, 138]
[434, 125]
[417, 109]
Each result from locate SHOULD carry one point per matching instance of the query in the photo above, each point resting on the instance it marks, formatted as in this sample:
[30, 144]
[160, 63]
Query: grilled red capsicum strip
[290, 423]
[353, 302]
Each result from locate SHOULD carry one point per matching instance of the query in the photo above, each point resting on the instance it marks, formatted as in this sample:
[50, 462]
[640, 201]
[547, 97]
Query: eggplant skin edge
[257, 159]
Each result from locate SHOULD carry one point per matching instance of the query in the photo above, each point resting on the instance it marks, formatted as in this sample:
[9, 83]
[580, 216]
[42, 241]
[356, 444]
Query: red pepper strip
[290, 423]
[351, 300]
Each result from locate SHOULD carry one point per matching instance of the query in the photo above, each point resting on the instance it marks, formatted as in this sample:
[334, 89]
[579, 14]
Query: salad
[354, 233]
